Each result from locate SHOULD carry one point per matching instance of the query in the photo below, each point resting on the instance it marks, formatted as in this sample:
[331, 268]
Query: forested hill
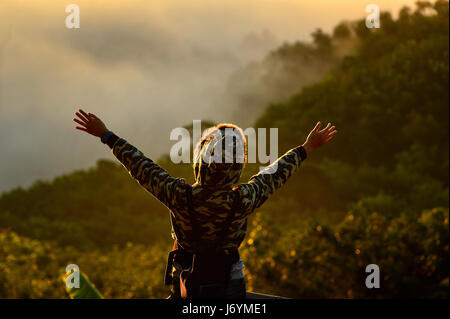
[378, 193]
[390, 102]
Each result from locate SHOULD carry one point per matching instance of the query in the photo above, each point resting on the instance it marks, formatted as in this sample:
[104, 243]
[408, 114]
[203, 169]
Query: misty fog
[144, 67]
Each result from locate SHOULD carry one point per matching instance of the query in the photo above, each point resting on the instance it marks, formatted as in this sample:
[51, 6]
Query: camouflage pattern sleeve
[262, 185]
[150, 175]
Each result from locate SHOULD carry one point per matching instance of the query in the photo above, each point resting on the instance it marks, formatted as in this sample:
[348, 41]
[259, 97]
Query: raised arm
[262, 185]
[150, 175]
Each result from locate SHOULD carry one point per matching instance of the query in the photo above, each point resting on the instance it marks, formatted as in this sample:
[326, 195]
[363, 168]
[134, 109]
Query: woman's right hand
[318, 138]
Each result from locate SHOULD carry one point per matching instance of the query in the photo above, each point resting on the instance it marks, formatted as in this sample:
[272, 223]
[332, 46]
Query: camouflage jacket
[211, 199]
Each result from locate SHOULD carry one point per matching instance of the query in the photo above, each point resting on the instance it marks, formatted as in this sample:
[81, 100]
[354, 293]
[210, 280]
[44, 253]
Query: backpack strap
[193, 218]
[195, 235]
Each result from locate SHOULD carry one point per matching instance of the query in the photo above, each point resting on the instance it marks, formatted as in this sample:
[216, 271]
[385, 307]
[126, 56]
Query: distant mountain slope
[390, 102]
[95, 208]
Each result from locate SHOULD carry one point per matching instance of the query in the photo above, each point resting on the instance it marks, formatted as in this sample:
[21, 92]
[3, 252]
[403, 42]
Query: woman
[209, 218]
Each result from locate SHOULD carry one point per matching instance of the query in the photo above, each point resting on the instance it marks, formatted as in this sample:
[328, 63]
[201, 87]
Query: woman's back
[211, 208]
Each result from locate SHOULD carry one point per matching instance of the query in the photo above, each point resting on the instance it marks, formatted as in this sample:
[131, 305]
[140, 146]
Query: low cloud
[144, 67]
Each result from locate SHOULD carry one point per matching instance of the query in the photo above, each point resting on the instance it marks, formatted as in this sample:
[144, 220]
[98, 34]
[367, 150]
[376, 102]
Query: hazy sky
[144, 66]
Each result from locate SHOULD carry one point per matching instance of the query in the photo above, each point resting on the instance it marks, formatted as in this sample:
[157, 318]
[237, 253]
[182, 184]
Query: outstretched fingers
[81, 117]
[84, 114]
[326, 128]
[317, 127]
[81, 128]
[79, 122]
[93, 116]
[330, 135]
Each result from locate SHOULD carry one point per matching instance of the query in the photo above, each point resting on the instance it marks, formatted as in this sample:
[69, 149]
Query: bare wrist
[307, 148]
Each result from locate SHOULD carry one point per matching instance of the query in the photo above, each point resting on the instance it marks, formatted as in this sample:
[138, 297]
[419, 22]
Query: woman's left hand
[90, 123]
